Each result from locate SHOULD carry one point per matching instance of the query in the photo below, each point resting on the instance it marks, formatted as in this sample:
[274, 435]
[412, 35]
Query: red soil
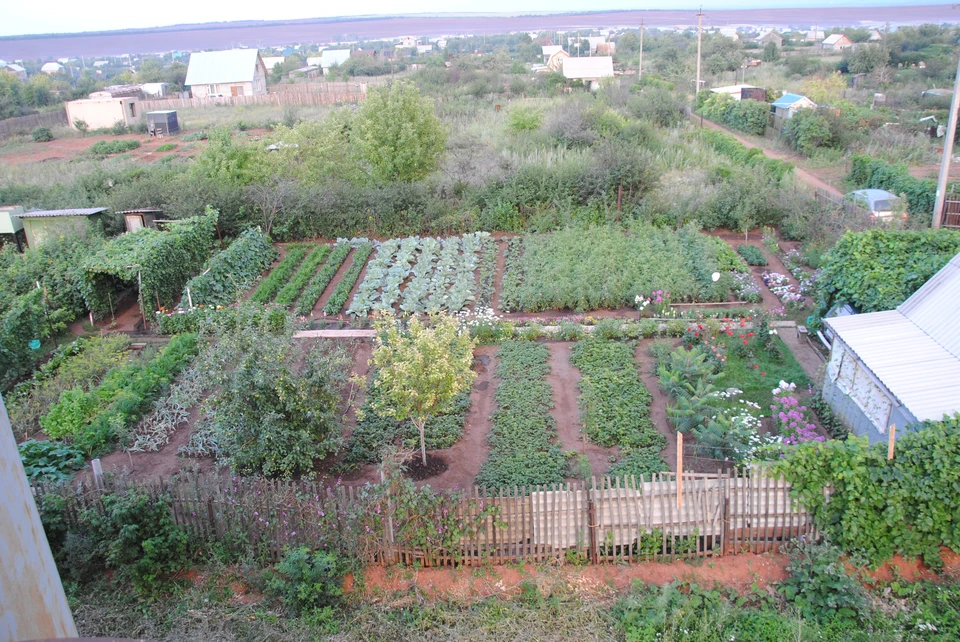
[70, 148]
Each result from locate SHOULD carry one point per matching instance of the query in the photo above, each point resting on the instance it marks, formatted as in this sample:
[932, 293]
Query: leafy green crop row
[607, 267]
[752, 254]
[512, 278]
[489, 252]
[615, 405]
[522, 450]
[318, 284]
[339, 297]
[303, 275]
[94, 419]
[279, 276]
[231, 272]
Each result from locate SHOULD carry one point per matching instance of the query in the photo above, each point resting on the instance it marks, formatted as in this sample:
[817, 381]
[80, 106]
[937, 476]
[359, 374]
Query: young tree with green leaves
[421, 369]
[398, 134]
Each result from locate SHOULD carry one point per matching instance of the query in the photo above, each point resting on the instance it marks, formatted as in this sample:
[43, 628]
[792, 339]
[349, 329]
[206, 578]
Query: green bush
[740, 154]
[228, 274]
[748, 116]
[878, 507]
[105, 148]
[167, 147]
[818, 583]
[879, 269]
[309, 583]
[49, 460]
[41, 135]
[751, 254]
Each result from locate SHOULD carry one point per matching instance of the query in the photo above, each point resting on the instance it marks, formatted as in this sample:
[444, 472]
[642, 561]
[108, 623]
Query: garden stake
[679, 470]
[893, 436]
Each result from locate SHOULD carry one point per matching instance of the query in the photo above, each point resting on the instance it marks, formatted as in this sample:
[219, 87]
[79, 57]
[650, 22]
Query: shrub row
[521, 438]
[94, 419]
[207, 318]
[615, 405]
[749, 116]
[724, 143]
[231, 272]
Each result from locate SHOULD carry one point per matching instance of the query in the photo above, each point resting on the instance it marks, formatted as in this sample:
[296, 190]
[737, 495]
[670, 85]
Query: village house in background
[768, 37]
[737, 91]
[590, 70]
[14, 69]
[235, 72]
[51, 68]
[836, 42]
[40, 225]
[899, 366]
[330, 58]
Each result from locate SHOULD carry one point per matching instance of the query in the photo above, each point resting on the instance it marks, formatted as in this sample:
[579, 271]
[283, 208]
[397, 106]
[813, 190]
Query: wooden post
[893, 438]
[189, 298]
[679, 470]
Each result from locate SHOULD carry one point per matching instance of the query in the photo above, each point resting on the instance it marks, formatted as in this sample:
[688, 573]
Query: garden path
[768, 150]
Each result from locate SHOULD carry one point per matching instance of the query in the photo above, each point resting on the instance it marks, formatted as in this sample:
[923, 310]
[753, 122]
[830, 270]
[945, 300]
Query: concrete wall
[101, 113]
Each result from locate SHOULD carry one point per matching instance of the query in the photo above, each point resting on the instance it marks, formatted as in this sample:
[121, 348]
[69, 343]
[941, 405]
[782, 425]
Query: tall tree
[420, 370]
[398, 134]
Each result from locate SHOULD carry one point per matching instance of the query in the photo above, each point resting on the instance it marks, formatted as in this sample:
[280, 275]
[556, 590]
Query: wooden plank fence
[302, 99]
[606, 520]
[25, 124]
[329, 87]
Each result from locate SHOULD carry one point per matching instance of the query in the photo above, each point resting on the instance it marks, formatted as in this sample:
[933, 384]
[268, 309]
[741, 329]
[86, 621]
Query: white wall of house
[100, 113]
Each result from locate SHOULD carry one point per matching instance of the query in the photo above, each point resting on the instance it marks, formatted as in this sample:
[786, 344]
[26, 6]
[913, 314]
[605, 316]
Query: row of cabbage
[438, 273]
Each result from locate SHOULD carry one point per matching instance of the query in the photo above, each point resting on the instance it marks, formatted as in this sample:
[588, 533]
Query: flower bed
[784, 290]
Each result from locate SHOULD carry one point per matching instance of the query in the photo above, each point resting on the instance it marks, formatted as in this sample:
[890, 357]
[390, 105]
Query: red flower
[763, 374]
[756, 367]
[744, 342]
[749, 334]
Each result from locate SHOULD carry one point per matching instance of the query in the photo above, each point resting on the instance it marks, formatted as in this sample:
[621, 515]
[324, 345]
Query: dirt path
[802, 174]
[805, 354]
[658, 407]
[564, 379]
[465, 457]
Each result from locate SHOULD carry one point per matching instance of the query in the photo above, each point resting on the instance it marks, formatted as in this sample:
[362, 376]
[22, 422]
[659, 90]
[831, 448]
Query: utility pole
[699, 41]
[947, 153]
[640, 66]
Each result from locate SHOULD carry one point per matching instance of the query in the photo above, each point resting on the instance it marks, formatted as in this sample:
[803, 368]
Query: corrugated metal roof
[915, 349]
[917, 370]
[145, 210]
[213, 67]
[70, 212]
[588, 68]
[935, 307]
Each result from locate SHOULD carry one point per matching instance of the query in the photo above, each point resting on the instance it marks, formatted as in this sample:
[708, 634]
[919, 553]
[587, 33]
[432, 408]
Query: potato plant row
[523, 450]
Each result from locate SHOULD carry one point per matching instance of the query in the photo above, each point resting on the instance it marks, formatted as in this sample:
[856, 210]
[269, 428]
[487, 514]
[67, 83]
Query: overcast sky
[63, 16]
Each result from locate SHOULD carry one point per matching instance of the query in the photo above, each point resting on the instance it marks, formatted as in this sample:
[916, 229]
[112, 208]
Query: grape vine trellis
[164, 261]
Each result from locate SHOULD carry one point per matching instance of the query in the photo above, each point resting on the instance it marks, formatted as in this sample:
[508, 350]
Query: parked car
[879, 202]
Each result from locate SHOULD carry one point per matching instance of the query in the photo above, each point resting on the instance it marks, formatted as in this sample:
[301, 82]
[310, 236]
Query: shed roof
[212, 67]
[834, 39]
[588, 68]
[142, 210]
[85, 211]
[788, 100]
[915, 349]
[333, 57]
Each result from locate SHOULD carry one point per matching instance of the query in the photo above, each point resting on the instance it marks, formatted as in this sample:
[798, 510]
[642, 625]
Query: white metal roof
[588, 68]
[833, 39]
[915, 349]
[333, 57]
[87, 211]
[212, 67]
[549, 50]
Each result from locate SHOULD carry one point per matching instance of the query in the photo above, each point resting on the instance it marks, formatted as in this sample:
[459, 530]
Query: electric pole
[640, 66]
[947, 153]
[699, 41]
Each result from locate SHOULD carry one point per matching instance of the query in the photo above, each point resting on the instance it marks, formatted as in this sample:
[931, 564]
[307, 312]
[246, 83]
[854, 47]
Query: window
[133, 110]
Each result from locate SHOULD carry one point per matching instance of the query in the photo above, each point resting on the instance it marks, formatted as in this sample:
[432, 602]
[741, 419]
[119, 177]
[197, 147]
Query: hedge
[749, 116]
[724, 143]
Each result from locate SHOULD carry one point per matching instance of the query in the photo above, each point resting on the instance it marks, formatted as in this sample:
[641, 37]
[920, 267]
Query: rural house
[269, 62]
[836, 42]
[330, 58]
[104, 111]
[900, 366]
[51, 68]
[786, 106]
[235, 72]
[770, 36]
[589, 70]
[41, 225]
[14, 69]
[555, 62]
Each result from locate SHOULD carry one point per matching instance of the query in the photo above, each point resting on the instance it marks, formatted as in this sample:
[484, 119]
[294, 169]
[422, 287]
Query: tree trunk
[421, 425]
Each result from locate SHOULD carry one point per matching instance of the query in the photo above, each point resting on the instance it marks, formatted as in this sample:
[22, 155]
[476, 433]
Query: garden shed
[786, 106]
[40, 225]
[899, 366]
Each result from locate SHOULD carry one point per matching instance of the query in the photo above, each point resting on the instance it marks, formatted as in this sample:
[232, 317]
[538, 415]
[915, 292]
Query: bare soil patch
[70, 148]
[418, 471]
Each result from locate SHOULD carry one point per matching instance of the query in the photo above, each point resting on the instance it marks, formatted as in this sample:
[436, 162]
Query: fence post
[679, 470]
[592, 520]
[97, 473]
[893, 438]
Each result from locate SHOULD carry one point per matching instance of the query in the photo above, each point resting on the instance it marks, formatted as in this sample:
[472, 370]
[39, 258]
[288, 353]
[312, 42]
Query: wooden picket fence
[301, 99]
[25, 124]
[605, 520]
